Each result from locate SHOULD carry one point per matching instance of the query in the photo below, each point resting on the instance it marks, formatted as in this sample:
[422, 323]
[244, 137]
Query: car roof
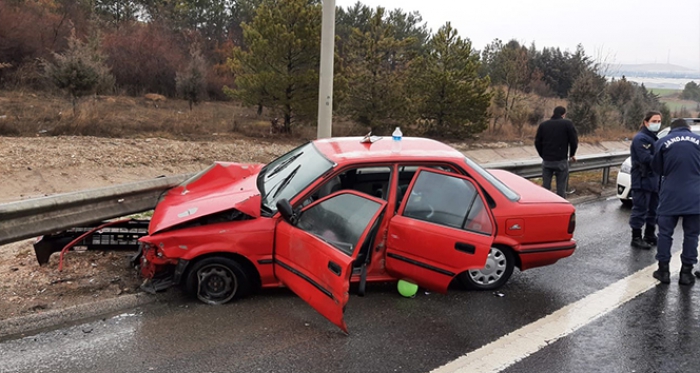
[341, 149]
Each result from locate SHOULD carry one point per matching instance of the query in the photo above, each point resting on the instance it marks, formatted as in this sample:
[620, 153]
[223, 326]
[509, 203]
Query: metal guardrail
[40, 216]
[533, 168]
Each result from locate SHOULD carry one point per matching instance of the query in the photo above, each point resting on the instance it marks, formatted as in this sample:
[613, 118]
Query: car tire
[499, 268]
[217, 280]
[626, 202]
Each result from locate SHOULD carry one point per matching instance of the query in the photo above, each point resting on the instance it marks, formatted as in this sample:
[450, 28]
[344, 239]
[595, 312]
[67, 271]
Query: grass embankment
[34, 114]
[665, 92]
[586, 182]
[671, 97]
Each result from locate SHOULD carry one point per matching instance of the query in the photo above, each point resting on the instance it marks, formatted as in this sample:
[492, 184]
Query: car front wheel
[498, 269]
[217, 280]
[626, 202]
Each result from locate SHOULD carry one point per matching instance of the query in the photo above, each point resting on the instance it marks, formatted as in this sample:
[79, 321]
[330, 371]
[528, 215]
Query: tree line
[390, 69]
[691, 91]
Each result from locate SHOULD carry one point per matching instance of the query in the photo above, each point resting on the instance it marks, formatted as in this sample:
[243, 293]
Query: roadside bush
[190, 82]
[220, 74]
[31, 31]
[536, 115]
[144, 58]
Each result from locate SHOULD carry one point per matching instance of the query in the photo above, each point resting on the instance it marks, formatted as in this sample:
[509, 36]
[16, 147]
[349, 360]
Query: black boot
[686, 277]
[650, 235]
[662, 274]
[637, 240]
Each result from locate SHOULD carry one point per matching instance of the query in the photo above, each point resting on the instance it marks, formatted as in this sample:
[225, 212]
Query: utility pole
[325, 81]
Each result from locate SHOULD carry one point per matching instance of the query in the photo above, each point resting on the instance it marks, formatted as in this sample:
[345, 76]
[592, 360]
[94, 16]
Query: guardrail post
[606, 175]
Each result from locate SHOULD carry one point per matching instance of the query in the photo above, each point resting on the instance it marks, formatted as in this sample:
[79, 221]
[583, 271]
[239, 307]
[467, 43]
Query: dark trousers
[691, 230]
[644, 204]
[560, 169]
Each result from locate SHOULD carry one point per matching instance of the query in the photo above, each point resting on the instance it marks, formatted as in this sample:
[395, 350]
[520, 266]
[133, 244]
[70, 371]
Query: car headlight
[626, 168]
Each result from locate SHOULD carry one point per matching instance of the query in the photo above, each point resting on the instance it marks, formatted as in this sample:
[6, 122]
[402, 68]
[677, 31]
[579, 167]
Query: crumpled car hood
[223, 186]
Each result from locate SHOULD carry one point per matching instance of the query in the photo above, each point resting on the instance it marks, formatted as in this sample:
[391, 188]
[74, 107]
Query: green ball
[407, 289]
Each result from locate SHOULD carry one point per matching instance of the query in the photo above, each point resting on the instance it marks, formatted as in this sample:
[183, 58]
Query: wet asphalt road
[277, 332]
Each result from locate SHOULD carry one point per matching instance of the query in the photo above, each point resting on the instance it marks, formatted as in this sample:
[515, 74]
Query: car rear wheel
[217, 280]
[498, 269]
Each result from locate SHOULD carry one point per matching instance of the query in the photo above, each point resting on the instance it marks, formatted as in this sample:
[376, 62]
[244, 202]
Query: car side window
[339, 220]
[406, 173]
[448, 200]
[478, 219]
[369, 180]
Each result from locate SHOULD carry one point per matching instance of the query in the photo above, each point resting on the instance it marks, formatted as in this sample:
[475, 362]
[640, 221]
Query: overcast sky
[619, 31]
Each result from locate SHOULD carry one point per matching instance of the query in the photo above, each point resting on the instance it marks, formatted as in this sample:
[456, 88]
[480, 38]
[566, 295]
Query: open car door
[315, 251]
[443, 228]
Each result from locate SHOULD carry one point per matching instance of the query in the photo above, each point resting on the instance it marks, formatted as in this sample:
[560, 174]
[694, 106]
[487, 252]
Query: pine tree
[635, 113]
[375, 67]
[585, 96]
[620, 93]
[279, 69]
[449, 96]
[79, 71]
[691, 91]
[665, 115]
[508, 65]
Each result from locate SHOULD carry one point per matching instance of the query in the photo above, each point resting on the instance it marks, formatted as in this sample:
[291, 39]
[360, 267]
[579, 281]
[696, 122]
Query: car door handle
[335, 268]
[465, 247]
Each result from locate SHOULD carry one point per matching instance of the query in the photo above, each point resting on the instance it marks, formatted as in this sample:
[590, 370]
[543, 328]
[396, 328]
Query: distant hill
[653, 70]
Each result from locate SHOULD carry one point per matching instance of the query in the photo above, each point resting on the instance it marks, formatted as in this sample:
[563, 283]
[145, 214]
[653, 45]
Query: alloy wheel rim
[495, 268]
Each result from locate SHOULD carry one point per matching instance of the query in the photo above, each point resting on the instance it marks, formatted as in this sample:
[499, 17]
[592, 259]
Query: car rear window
[498, 184]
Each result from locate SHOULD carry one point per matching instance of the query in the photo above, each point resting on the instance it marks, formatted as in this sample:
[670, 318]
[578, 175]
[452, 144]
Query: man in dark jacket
[677, 162]
[645, 183]
[556, 142]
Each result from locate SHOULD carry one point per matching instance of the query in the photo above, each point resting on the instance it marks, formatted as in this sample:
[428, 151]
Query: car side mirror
[288, 213]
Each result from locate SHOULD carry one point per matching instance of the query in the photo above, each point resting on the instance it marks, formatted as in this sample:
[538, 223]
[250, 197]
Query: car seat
[330, 187]
[401, 192]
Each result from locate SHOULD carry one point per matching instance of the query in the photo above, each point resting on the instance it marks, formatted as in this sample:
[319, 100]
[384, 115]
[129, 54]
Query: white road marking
[511, 348]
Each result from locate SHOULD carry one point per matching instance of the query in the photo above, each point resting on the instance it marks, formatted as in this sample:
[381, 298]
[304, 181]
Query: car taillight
[572, 223]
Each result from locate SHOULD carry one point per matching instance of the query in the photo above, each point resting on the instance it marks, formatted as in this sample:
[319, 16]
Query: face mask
[654, 127]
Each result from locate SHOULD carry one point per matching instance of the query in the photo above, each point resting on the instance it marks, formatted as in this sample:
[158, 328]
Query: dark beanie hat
[679, 123]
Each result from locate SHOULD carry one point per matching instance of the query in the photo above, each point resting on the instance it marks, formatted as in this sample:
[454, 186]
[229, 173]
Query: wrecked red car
[341, 210]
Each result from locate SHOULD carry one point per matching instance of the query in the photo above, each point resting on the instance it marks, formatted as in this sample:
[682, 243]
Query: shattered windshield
[291, 173]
